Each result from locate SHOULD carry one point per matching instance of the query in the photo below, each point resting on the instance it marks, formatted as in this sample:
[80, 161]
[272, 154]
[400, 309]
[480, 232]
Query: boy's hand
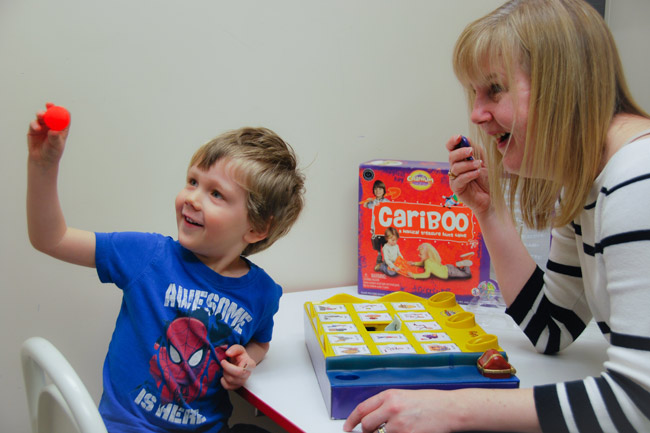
[48, 231]
[45, 145]
[236, 367]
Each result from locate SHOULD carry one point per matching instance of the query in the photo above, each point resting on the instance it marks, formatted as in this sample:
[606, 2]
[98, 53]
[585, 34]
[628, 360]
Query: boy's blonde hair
[430, 253]
[391, 231]
[266, 167]
[577, 86]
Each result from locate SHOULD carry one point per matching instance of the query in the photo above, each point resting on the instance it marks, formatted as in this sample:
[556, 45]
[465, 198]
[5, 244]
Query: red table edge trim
[269, 411]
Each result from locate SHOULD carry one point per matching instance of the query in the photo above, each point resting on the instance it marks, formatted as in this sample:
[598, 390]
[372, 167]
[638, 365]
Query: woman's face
[501, 110]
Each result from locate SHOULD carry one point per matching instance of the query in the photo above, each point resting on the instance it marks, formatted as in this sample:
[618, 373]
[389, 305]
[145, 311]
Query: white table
[284, 386]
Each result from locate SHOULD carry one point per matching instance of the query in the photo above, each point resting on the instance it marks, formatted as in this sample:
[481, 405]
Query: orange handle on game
[492, 364]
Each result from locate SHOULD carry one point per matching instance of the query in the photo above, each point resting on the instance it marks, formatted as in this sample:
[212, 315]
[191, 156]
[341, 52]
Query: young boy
[390, 252]
[196, 315]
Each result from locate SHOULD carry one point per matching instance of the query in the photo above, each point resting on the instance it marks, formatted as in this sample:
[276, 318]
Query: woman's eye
[495, 89]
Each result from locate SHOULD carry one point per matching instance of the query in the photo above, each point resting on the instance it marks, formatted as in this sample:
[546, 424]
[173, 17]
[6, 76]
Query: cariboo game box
[415, 235]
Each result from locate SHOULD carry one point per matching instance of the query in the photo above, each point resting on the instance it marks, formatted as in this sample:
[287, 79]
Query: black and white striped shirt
[598, 267]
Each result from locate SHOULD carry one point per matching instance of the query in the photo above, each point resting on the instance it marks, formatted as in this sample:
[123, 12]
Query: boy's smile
[212, 216]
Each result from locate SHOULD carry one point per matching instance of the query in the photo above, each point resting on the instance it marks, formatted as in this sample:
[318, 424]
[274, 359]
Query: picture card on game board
[351, 349]
[403, 306]
[387, 337]
[369, 307]
[395, 348]
[344, 338]
[424, 326]
[375, 317]
[330, 317]
[339, 327]
[440, 347]
[431, 336]
[328, 308]
[421, 315]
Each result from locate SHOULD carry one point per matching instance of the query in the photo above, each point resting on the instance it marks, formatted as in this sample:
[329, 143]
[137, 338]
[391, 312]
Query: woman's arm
[512, 263]
[436, 411]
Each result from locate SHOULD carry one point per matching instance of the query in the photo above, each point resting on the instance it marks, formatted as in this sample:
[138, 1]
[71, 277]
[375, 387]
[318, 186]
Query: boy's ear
[254, 235]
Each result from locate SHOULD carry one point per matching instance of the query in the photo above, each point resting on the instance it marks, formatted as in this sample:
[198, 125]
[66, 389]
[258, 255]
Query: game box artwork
[414, 233]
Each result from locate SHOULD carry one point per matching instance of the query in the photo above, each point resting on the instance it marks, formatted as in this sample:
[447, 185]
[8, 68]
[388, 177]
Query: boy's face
[391, 240]
[211, 214]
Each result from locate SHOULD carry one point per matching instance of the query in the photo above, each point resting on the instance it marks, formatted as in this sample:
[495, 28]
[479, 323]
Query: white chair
[62, 403]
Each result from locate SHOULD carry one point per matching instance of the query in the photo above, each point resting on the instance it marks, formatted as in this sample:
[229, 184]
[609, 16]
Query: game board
[360, 347]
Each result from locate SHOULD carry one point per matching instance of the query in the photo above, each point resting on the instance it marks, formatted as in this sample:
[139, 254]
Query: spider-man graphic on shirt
[188, 358]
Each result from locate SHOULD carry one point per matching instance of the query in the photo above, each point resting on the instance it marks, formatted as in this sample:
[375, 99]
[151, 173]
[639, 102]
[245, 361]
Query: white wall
[147, 82]
[628, 20]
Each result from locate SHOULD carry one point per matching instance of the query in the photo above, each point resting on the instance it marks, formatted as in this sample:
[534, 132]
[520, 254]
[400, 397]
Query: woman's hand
[437, 411]
[421, 411]
[468, 178]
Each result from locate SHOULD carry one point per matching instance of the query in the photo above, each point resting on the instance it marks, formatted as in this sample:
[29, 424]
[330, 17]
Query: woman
[549, 99]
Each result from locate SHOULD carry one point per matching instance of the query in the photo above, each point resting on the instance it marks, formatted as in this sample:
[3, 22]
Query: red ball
[56, 118]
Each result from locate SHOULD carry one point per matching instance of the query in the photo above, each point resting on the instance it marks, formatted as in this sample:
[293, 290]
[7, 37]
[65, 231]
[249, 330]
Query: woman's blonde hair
[577, 86]
[430, 252]
[266, 167]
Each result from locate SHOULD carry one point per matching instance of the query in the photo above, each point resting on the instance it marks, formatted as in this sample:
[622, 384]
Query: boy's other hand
[236, 367]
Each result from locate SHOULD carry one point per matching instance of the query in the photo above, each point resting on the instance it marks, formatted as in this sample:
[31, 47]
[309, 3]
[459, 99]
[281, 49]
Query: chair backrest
[62, 403]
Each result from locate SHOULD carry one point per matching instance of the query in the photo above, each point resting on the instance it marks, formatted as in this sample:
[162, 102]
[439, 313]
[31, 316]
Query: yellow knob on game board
[462, 320]
[443, 300]
[483, 343]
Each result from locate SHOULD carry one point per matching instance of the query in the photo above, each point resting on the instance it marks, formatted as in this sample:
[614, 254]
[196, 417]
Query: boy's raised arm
[48, 231]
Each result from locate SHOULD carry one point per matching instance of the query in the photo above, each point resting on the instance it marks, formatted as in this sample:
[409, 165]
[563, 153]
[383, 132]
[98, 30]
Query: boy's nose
[193, 199]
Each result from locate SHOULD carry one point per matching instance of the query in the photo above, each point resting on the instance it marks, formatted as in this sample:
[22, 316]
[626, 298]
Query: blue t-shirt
[162, 371]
